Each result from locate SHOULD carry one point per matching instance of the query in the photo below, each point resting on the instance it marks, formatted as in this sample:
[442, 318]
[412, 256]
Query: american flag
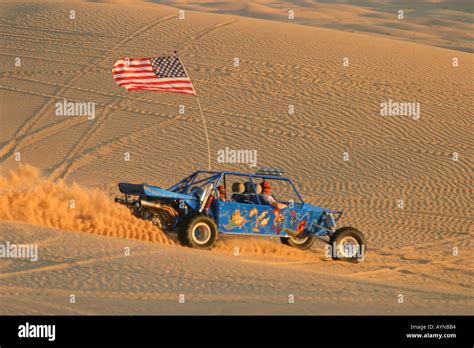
[162, 74]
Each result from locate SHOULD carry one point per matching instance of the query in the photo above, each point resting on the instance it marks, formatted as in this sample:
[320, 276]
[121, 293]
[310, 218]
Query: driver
[267, 198]
[221, 191]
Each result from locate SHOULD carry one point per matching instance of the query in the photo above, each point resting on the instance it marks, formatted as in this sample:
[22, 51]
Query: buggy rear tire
[347, 244]
[199, 232]
[299, 243]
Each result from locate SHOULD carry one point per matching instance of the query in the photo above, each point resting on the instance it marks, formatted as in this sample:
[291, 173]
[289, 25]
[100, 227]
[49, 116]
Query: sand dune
[442, 23]
[150, 280]
[337, 110]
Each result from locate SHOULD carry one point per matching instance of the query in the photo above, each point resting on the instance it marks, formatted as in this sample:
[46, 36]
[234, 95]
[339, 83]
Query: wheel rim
[201, 233]
[348, 247]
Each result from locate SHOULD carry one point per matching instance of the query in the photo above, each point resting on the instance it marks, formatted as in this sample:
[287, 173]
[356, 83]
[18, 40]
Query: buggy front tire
[299, 243]
[199, 232]
[347, 244]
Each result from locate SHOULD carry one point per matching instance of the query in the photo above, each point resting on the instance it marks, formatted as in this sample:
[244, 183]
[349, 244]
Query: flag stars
[168, 67]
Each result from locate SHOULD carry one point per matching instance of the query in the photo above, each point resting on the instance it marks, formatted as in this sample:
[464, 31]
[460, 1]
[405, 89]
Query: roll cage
[201, 178]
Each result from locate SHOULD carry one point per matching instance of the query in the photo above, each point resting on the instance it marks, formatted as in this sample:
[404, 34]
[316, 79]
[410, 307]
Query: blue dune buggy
[207, 203]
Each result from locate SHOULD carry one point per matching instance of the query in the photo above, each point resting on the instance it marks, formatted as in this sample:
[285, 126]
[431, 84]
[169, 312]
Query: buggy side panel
[241, 218]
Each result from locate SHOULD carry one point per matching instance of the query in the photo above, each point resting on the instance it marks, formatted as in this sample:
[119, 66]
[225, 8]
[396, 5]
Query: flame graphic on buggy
[260, 220]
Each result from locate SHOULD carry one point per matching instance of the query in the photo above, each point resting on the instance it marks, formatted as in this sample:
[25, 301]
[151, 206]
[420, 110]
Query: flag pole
[205, 130]
[202, 114]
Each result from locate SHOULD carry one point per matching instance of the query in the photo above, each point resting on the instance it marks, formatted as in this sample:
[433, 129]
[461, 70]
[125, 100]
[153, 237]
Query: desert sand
[442, 23]
[49, 160]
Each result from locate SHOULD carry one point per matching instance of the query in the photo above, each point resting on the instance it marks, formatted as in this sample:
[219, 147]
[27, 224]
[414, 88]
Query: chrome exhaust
[150, 204]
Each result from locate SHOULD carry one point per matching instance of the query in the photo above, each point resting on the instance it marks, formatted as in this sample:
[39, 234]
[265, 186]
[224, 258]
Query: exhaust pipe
[161, 208]
[150, 204]
[122, 201]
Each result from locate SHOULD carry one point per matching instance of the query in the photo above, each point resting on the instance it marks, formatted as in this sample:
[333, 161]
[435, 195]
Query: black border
[240, 330]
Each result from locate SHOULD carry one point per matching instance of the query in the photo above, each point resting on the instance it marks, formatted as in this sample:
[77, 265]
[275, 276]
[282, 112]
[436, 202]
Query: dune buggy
[197, 212]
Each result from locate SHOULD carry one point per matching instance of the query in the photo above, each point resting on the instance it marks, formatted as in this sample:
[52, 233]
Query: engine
[162, 215]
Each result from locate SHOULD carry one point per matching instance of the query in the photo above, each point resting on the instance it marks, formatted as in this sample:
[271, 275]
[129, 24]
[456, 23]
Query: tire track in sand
[67, 265]
[11, 145]
[64, 169]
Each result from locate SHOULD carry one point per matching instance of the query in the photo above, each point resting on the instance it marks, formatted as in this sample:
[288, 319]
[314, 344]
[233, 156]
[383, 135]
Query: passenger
[221, 191]
[267, 199]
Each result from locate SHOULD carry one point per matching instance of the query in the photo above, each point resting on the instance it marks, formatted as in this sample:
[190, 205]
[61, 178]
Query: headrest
[249, 188]
[237, 187]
